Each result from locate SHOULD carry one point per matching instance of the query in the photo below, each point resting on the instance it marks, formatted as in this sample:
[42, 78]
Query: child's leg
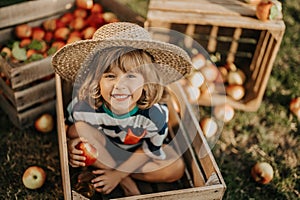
[168, 170]
[104, 161]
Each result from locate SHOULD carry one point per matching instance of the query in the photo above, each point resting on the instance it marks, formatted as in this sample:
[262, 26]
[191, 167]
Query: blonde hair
[127, 59]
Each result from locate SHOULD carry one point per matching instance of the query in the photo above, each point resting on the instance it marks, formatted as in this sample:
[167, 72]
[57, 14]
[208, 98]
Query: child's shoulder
[157, 112]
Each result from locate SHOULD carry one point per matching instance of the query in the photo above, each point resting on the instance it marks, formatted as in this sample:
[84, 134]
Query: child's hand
[107, 181]
[75, 155]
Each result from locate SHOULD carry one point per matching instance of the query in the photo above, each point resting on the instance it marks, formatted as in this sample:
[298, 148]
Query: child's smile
[121, 90]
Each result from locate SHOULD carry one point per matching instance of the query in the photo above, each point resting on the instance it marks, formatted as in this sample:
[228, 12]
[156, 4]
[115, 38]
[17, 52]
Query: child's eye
[131, 76]
[109, 76]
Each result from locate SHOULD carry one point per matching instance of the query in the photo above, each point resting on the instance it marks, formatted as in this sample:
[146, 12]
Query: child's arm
[75, 155]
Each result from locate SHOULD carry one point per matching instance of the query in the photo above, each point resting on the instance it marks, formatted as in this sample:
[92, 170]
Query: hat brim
[171, 61]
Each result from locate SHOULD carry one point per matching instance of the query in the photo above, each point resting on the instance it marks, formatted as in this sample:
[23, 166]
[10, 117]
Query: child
[121, 74]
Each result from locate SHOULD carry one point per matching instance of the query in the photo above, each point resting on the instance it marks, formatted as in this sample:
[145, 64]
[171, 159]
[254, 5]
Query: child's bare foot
[129, 186]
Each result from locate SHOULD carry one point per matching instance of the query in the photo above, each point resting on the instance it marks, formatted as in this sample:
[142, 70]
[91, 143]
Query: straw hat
[172, 62]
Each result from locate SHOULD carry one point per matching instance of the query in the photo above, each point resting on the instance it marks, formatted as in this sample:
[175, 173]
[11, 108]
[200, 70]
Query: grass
[271, 134]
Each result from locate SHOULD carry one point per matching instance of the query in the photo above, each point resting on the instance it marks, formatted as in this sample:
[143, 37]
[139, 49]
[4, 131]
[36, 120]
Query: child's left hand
[107, 180]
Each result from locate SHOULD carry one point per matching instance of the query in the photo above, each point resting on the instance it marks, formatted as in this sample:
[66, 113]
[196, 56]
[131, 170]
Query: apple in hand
[44, 123]
[262, 172]
[89, 152]
[34, 177]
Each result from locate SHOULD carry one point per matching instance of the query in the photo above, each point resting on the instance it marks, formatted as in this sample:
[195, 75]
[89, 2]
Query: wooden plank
[62, 140]
[218, 20]
[232, 7]
[29, 96]
[24, 74]
[31, 10]
[199, 193]
[234, 45]
[200, 144]
[26, 118]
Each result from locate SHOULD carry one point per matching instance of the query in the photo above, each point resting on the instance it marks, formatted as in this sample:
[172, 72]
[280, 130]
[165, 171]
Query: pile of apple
[35, 43]
[207, 79]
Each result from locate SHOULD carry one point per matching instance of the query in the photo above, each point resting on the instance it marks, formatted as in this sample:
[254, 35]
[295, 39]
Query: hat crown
[121, 31]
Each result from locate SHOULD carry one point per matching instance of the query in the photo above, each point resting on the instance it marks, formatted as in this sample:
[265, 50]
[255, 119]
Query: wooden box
[230, 29]
[202, 179]
[27, 90]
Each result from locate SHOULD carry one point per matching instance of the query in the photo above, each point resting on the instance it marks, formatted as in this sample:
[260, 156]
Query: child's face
[121, 90]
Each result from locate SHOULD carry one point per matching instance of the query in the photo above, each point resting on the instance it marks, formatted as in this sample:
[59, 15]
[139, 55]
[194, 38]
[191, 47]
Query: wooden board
[32, 10]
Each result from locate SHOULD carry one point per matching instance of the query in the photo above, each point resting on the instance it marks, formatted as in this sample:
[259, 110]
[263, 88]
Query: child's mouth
[120, 97]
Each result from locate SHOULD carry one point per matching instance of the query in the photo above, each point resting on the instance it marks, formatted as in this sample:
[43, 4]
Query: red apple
[48, 36]
[66, 18]
[73, 38]
[97, 8]
[38, 33]
[80, 12]
[77, 23]
[85, 4]
[95, 19]
[223, 112]
[198, 61]
[88, 32]
[34, 177]
[110, 17]
[44, 123]
[269, 10]
[23, 31]
[262, 172]
[263, 10]
[6, 53]
[49, 25]
[209, 71]
[295, 107]
[30, 52]
[59, 24]
[62, 33]
[75, 33]
[209, 126]
[89, 151]
[58, 44]
[237, 92]
[25, 42]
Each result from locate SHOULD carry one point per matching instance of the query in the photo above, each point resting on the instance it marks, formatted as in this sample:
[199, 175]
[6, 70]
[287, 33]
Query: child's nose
[119, 84]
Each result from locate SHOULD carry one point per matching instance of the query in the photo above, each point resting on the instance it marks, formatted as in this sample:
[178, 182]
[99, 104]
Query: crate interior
[198, 169]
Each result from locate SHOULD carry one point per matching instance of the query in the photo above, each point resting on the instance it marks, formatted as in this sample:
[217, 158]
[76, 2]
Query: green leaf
[35, 57]
[18, 53]
[36, 45]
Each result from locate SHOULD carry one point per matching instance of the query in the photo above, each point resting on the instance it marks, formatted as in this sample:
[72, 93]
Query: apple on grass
[34, 177]
[44, 123]
[89, 152]
[262, 172]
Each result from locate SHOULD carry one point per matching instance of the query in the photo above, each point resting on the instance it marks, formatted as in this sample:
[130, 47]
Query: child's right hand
[76, 159]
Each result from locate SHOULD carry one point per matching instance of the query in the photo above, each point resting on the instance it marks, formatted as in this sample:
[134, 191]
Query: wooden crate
[230, 28]
[202, 179]
[28, 90]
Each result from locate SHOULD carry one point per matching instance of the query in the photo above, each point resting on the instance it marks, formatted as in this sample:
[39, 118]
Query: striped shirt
[139, 128]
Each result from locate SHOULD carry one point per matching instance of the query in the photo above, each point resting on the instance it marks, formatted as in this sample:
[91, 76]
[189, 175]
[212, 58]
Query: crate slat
[31, 10]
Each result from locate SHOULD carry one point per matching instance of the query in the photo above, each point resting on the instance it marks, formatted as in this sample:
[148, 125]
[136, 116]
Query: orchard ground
[271, 134]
